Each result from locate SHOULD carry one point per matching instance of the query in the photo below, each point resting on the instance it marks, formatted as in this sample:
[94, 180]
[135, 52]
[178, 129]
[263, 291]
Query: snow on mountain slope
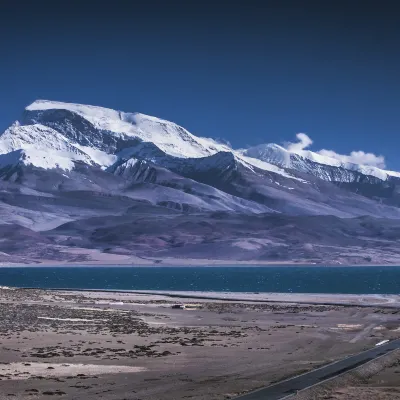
[170, 138]
[40, 146]
[364, 169]
[218, 161]
[264, 165]
[146, 158]
[97, 156]
[102, 136]
[300, 161]
[160, 185]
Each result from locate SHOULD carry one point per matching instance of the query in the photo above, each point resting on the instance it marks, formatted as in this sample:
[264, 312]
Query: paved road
[292, 385]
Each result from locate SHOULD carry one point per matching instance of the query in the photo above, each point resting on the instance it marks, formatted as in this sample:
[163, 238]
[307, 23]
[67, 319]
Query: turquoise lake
[286, 279]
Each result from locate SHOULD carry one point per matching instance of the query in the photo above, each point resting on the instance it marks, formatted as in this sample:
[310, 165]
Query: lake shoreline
[188, 263]
[342, 299]
[331, 299]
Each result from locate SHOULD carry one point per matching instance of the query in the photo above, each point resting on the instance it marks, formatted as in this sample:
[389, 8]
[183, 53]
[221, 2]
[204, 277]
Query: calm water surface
[288, 279]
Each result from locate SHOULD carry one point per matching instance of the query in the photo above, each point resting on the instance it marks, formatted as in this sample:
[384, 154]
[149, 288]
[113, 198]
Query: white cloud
[355, 157]
[303, 142]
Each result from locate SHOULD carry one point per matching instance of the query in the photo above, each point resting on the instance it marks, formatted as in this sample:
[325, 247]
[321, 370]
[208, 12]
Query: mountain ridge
[99, 115]
[71, 163]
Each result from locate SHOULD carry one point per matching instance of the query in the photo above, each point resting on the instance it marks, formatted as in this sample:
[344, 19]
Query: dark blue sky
[249, 72]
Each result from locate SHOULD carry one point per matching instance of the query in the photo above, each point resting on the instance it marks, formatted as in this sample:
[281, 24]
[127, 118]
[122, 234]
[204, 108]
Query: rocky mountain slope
[83, 180]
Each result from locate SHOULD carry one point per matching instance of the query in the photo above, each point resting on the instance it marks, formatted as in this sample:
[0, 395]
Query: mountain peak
[96, 113]
[270, 152]
[93, 111]
[112, 131]
[61, 147]
[171, 138]
[82, 109]
[41, 104]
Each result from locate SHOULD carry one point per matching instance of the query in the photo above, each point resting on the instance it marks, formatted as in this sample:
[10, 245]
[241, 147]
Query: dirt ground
[385, 385]
[116, 346]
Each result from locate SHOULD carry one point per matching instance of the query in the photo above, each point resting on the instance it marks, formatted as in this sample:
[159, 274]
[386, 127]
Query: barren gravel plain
[120, 346]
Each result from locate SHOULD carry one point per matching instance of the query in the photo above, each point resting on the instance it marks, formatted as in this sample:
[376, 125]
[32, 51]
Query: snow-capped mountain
[54, 136]
[106, 135]
[104, 128]
[96, 179]
[309, 162]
